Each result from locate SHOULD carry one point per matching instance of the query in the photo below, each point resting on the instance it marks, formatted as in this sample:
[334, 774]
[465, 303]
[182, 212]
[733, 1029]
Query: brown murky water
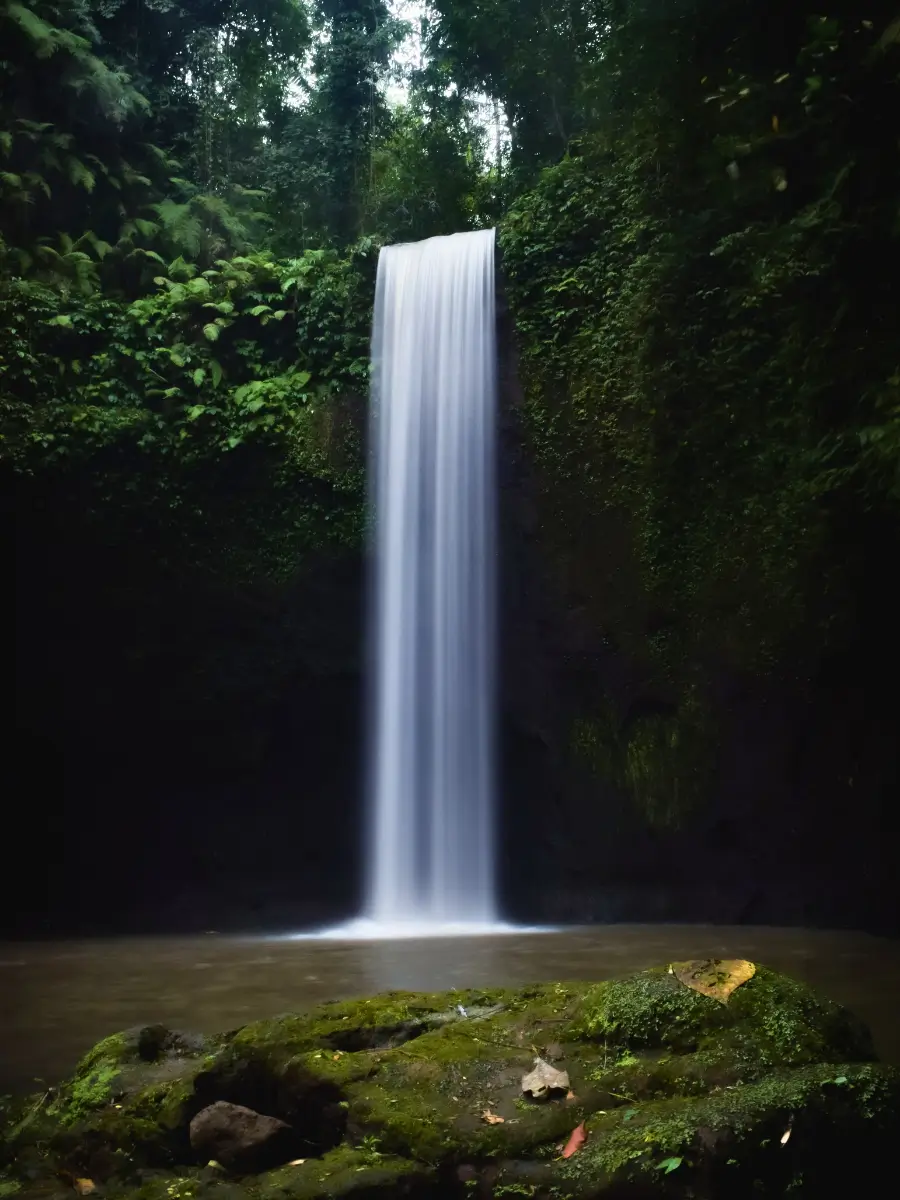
[56, 999]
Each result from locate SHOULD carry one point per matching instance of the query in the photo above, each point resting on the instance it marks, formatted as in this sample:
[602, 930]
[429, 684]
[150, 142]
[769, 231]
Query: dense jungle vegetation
[697, 205]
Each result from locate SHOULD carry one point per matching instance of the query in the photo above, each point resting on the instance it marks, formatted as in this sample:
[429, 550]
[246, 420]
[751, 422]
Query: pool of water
[58, 998]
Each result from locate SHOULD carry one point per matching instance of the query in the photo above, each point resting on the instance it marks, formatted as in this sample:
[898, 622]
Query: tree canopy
[697, 216]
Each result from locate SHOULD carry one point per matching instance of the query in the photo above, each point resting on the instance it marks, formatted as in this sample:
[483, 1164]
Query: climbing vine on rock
[705, 355]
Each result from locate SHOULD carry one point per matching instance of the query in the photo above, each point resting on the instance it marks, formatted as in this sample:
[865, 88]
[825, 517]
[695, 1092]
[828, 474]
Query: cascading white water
[431, 768]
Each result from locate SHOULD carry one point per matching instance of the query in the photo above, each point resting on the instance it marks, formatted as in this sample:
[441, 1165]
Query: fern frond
[34, 126]
[50, 159]
[98, 163]
[37, 181]
[178, 266]
[79, 174]
[131, 176]
[180, 225]
[164, 159]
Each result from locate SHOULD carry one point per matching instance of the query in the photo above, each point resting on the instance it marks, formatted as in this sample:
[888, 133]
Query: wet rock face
[768, 1092]
[239, 1138]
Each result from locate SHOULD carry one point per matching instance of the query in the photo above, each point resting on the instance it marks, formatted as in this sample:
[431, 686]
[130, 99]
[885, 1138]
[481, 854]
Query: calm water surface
[56, 999]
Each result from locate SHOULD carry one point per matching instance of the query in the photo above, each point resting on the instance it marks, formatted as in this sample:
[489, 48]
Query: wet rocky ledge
[685, 1080]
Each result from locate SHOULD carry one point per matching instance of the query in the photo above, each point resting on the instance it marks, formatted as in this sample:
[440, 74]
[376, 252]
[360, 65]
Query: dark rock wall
[189, 756]
[799, 818]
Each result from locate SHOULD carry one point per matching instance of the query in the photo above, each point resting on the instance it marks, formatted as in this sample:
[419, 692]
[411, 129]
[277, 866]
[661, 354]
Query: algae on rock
[681, 1095]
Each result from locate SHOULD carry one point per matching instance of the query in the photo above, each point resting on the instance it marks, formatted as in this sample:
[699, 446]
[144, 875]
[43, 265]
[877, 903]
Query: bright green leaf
[668, 1165]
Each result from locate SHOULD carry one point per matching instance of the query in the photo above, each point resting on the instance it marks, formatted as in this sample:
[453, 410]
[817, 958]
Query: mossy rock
[413, 1094]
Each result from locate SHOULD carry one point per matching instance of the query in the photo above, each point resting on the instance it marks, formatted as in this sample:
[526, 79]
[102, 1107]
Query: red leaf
[576, 1140]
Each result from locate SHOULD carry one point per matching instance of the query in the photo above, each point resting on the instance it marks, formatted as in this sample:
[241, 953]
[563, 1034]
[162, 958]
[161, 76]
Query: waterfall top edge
[443, 238]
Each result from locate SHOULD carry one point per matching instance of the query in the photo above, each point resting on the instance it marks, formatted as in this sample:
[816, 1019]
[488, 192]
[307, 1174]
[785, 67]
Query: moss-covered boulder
[772, 1092]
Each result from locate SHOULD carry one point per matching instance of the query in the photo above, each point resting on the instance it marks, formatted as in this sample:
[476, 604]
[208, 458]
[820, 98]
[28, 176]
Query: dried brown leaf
[84, 1187]
[491, 1118]
[714, 977]
[544, 1079]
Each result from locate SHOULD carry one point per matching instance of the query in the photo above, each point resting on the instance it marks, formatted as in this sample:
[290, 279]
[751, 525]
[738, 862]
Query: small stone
[239, 1138]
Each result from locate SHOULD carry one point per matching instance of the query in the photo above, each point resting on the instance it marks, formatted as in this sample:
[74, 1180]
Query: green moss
[94, 1082]
[649, 1009]
[115, 1050]
[741, 1131]
[769, 1021]
[391, 1093]
[342, 1172]
[779, 1021]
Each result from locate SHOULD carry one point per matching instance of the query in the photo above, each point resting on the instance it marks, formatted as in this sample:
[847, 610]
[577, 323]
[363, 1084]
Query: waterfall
[430, 777]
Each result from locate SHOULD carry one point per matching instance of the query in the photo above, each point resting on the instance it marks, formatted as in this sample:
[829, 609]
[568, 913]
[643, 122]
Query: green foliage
[146, 404]
[322, 167]
[533, 57]
[706, 359]
[74, 210]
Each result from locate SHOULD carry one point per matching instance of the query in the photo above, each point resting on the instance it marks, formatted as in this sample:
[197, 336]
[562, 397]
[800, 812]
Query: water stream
[57, 998]
[430, 852]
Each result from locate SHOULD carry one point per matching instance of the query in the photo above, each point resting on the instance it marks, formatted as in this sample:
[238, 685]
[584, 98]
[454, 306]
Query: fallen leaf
[84, 1187]
[491, 1118]
[785, 1136]
[544, 1079]
[297, 1162]
[714, 977]
[570, 1095]
[336, 1056]
[576, 1140]
[217, 1166]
